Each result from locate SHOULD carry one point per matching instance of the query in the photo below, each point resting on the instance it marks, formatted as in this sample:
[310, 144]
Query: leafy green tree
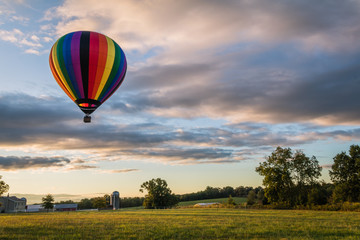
[345, 174]
[99, 202]
[227, 191]
[251, 198]
[66, 202]
[288, 177]
[230, 201]
[277, 175]
[305, 172]
[107, 199]
[158, 194]
[317, 195]
[3, 186]
[85, 203]
[48, 202]
[260, 196]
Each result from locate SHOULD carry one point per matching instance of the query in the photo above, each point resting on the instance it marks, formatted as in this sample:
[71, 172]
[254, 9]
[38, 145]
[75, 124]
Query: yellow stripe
[108, 66]
[58, 70]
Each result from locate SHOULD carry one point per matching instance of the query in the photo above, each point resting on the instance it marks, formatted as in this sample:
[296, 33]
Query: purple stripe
[75, 55]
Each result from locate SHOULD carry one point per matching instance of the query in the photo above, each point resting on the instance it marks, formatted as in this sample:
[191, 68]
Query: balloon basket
[87, 119]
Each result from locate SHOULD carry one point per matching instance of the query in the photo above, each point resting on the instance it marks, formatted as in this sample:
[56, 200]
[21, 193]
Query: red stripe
[103, 48]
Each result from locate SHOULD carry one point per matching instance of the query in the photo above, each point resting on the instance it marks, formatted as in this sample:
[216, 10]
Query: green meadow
[183, 223]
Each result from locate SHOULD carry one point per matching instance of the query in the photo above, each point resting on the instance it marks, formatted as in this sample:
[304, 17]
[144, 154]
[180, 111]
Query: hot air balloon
[89, 67]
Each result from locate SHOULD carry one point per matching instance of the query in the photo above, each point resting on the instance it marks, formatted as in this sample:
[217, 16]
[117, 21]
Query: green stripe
[114, 69]
[61, 61]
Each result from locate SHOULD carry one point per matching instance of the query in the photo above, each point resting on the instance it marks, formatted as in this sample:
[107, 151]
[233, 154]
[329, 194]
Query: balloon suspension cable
[87, 118]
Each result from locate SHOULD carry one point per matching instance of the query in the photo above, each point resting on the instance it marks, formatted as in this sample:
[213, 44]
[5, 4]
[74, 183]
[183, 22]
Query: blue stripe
[68, 63]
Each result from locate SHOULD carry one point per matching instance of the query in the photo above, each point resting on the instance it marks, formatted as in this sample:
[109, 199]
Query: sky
[212, 88]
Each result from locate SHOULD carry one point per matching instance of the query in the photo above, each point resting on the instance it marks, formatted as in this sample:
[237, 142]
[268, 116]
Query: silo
[115, 200]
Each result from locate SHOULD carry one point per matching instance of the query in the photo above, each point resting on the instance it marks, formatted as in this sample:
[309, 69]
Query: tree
[158, 194]
[48, 202]
[99, 202]
[230, 201]
[345, 174]
[107, 199]
[305, 173]
[66, 202]
[288, 176]
[3, 186]
[85, 203]
[251, 198]
[317, 195]
[260, 196]
[227, 191]
[277, 175]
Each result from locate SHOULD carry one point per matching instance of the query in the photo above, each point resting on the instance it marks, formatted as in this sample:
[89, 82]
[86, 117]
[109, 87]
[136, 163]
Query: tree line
[292, 179]
[216, 192]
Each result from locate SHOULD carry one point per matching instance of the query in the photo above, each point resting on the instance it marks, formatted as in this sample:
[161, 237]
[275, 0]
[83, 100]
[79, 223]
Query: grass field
[188, 223]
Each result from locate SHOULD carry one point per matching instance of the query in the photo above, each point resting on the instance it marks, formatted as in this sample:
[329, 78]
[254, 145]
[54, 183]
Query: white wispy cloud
[20, 39]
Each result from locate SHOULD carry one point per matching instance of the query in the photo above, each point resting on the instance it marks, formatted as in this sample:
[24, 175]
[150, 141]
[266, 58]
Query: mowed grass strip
[182, 224]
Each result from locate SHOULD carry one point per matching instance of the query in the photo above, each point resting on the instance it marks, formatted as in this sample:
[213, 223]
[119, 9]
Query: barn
[12, 204]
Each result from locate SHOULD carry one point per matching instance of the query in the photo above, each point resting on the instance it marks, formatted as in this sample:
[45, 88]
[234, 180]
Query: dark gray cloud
[177, 154]
[277, 97]
[25, 162]
[164, 141]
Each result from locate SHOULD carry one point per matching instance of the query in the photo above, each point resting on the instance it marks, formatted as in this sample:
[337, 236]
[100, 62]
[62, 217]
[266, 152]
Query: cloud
[123, 170]
[28, 121]
[245, 60]
[251, 65]
[81, 167]
[11, 36]
[20, 19]
[20, 39]
[265, 96]
[32, 51]
[144, 25]
[25, 162]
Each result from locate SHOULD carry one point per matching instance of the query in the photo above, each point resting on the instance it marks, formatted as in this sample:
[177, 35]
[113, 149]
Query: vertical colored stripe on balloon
[75, 57]
[119, 79]
[58, 70]
[103, 51]
[60, 57]
[115, 69]
[68, 62]
[84, 59]
[93, 61]
[57, 77]
[108, 66]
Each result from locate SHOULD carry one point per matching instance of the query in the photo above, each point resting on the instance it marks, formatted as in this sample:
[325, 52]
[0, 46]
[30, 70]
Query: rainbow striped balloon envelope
[89, 67]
